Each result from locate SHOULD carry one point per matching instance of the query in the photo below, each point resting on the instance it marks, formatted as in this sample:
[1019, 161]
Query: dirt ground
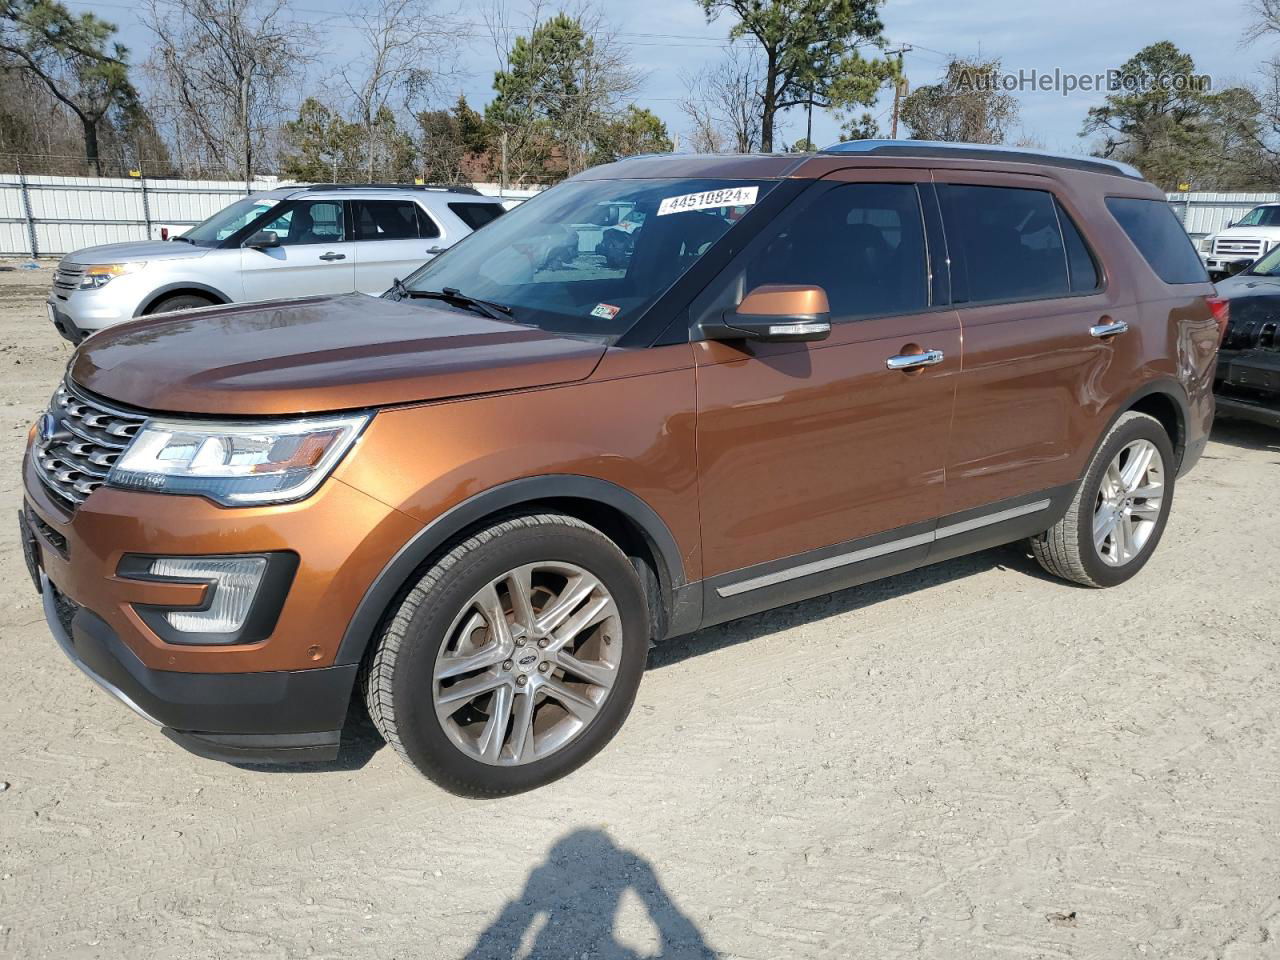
[969, 761]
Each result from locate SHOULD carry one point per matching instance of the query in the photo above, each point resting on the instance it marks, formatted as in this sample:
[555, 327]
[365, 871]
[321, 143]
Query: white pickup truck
[1233, 248]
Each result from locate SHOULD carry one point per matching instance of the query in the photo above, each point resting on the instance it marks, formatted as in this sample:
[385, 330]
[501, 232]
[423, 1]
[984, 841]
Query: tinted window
[476, 215]
[1004, 242]
[1260, 217]
[1159, 237]
[426, 225]
[1080, 263]
[385, 219]
[311, 221]
[863, 243]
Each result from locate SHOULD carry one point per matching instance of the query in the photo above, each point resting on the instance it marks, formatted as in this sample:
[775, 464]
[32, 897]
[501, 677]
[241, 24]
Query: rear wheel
[1120, 511]
[514, 659]
[183, 301]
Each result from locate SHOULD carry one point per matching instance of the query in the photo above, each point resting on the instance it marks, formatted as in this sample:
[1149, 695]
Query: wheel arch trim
[1166, 387]
[171, 288]
[507, 496]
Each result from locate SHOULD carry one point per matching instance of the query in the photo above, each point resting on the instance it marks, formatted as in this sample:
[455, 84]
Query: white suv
[1239, 244]
[298, 241]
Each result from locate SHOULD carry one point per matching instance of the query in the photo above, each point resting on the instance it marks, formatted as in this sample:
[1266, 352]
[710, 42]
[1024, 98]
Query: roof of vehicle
[805, 165]
[358, 190]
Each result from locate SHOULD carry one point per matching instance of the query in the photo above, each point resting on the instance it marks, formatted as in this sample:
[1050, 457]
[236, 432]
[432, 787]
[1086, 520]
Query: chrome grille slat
[89, 438]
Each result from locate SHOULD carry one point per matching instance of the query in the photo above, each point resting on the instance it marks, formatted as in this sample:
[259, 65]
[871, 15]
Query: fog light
[233, 585]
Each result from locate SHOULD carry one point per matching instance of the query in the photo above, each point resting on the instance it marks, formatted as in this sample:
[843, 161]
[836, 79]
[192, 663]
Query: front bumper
[273, 717]
[1247, 386]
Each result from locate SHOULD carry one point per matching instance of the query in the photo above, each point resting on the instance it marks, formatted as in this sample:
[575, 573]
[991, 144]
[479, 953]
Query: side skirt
[842, 565]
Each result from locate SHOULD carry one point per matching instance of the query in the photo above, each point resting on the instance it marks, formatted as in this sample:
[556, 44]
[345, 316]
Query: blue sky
[669, 38]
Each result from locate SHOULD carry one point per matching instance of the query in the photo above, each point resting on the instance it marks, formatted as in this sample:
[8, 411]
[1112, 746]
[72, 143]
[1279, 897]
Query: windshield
[560, 261]
[1268, 266]
[228, 220]
[1260, 217]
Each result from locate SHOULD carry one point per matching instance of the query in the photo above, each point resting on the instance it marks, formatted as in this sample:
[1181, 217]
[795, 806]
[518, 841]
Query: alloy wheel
[528, 663]
[1130, 496]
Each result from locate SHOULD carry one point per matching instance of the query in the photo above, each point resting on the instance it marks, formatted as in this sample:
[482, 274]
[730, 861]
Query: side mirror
[776, 313]
[263, 239]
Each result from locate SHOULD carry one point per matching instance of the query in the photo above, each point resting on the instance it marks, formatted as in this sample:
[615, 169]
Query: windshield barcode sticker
[727, 197]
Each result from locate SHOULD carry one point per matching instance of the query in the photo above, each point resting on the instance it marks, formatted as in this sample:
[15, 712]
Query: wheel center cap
[527, 660]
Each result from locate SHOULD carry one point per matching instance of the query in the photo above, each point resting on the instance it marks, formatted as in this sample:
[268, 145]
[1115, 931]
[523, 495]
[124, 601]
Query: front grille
[86, 438]
[1237, 247]
[67, 277]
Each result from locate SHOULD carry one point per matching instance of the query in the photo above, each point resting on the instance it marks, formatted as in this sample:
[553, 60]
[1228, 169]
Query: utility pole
[502, 187]
[808, 131]
[899, 85]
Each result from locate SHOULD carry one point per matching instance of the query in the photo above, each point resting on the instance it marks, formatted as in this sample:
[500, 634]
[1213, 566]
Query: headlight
[1206, 244]
[100, 274]
[236, 464]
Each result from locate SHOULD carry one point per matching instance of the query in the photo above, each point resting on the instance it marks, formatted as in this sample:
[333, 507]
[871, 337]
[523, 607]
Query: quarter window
[1004, 242]
[863, 243]
[1160, 238]
[476, 215]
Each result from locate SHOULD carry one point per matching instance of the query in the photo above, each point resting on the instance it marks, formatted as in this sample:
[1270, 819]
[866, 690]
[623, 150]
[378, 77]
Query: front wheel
[514, 659]
[1119, 513]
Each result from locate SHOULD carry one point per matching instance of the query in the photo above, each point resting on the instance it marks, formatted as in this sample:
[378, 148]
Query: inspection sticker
[605, 311]
[726, 197]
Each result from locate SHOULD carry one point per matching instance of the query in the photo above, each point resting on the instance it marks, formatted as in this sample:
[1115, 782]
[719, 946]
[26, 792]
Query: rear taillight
[1221, 312]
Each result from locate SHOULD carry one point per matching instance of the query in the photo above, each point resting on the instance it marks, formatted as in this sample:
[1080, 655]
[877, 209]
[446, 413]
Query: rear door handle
[910, 361]
[435, 249]
[1111, 329]
[333, 256]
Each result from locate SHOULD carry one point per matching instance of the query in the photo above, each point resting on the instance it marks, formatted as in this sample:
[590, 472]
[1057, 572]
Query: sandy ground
[969, 761]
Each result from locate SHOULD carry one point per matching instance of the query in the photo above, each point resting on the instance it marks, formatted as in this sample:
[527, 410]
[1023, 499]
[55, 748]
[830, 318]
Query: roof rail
[982, 151]
[442, 187]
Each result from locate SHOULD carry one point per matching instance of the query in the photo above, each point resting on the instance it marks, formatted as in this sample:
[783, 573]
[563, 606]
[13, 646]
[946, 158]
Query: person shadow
[575, 896]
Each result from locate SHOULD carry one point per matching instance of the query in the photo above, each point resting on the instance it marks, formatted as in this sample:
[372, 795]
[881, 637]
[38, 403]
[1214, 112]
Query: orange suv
[475, 502]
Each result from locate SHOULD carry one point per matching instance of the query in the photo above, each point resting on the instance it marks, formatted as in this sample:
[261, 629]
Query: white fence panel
[1203, 213]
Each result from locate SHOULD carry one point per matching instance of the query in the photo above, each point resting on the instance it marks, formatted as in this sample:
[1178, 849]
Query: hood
[1247, 285]
[137, 250]
[320, 354]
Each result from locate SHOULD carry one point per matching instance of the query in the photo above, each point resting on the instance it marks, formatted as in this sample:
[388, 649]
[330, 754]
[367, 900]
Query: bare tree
[409, 51]
[223, 72]
[723, 102]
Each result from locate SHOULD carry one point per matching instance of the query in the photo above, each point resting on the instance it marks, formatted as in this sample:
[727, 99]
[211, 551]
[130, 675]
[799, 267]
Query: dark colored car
[476, 502]
[1248, 378]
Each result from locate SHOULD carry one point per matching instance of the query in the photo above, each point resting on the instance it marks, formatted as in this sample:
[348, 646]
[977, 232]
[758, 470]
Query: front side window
[549, 263]
[1005, 243]
[228, 221]
[1160, 238]
[385, 219]
[862, 243]
[310, 221]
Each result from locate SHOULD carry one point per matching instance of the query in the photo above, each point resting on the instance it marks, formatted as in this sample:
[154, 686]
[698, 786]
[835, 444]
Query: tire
[1070, 549]
[438, 628]
[183, 301]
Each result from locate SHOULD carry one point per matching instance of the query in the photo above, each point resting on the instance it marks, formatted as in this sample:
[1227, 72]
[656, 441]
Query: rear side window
[385, 219]
[1005, 243]
[476, 215]
[1159, 237]
[863, 243]
[1082, 268]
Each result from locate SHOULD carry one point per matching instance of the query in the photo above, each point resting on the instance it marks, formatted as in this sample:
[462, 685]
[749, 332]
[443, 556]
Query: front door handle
[1108, 329]
[333, 256]
[911, 361]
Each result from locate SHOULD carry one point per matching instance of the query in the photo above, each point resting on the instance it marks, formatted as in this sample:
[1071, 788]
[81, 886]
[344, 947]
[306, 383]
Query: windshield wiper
[494, 311]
